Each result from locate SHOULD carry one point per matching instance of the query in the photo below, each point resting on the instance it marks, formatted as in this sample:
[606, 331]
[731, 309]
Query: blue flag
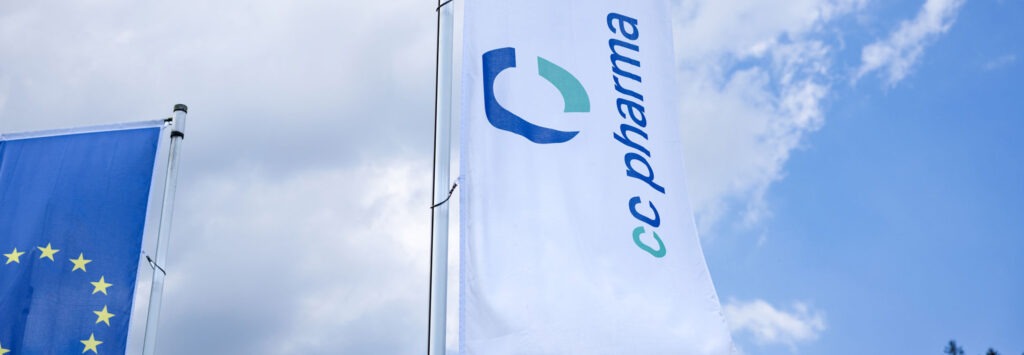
[72, 213]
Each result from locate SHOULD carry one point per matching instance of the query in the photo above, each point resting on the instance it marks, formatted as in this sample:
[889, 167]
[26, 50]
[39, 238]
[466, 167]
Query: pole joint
[450, 191]
[438, 9]
[154, 265]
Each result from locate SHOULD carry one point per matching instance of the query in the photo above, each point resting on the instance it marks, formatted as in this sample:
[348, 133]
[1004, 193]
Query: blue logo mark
[573, 95]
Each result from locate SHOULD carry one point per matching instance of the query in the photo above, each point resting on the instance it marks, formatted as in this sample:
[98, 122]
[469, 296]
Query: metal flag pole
[436, 318]
[164, 230]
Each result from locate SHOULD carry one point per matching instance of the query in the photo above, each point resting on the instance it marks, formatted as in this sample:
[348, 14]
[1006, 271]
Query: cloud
[252, 73]
[1000, 62]
[319, 262]
[769, 325]
[753, 80]
[896, 55]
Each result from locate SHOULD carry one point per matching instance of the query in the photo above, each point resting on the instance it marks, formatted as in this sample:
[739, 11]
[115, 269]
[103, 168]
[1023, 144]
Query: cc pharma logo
[573, 95]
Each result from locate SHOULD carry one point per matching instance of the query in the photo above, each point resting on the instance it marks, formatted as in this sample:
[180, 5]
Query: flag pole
[437, 314]
[164, 230]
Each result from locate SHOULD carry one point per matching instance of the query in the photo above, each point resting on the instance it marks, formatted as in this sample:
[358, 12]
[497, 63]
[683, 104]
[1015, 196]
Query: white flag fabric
[577, 233]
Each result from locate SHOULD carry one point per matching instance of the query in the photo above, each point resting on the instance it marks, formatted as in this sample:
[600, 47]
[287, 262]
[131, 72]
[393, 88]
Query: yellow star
[91, 343]
[103, 316]
[100, 286]
[4, 351]
[13, 256]
[48, 252]
[80, 263]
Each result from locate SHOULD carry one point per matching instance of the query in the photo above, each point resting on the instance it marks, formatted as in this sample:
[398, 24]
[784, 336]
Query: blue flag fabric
[72, 213]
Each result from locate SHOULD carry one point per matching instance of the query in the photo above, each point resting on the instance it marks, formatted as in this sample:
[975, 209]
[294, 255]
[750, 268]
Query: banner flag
[577, 236]
[72, 213]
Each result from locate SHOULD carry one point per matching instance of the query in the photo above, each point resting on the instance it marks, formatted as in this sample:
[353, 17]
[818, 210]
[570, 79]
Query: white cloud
[770, 325]
[318, 262]
[753, 79]
[1000, 61]
[897, 54]
[710, 29]
[252, 72]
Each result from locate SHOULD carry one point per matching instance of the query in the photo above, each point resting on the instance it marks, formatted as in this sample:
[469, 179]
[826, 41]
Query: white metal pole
[164, 230]
[442, 163]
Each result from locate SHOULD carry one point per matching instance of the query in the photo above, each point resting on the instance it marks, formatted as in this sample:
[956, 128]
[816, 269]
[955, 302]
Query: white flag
[577, 233]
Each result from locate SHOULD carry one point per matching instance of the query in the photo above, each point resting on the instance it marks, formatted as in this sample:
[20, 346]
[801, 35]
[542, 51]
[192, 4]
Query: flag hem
[78, 130]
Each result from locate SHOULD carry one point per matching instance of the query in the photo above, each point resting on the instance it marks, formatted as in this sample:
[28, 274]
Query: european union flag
[72, 213]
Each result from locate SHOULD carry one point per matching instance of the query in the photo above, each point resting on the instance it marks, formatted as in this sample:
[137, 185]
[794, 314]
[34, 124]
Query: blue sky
[899, 220]
[853, 164]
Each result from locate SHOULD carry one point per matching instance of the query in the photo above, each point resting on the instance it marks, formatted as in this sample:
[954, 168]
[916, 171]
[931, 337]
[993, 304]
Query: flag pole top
[178, 121]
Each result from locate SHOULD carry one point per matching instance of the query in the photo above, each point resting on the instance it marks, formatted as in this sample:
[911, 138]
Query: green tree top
[953, 349]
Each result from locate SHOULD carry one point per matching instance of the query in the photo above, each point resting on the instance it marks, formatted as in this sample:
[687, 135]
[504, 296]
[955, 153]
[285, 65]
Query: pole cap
[181, 107]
